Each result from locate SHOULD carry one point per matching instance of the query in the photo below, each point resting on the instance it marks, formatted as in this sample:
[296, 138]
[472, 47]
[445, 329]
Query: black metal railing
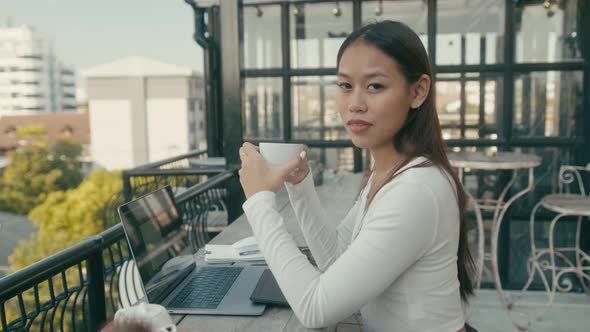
[81, 287]
[180, 172]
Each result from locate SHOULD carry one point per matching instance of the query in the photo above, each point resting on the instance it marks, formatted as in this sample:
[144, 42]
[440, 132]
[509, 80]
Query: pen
[249, 252]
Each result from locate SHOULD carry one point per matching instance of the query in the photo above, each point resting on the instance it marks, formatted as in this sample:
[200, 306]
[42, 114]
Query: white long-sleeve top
[396, 263]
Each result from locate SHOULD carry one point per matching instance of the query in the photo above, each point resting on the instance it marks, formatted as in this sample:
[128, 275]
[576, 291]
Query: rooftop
[74, 125]
[136, 66]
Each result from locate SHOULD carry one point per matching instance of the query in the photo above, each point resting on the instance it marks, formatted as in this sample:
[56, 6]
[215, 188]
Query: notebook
[219, 254]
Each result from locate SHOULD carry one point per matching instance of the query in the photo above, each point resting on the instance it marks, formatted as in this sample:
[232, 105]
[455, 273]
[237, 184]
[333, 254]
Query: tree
[65, 155]
[37, 170]
[67, 217]
[64, 219]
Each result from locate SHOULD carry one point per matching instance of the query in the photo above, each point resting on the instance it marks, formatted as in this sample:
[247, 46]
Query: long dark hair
[421, 133]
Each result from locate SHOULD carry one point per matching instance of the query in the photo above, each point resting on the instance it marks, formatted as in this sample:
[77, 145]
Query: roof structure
[73, 125]
[136, 66]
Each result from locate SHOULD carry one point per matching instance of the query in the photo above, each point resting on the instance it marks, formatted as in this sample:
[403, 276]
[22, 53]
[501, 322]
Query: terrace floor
[569, 313]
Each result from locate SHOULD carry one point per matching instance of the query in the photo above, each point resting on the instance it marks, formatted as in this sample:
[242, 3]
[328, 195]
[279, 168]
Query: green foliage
[64, 219]
[67, 217]
[65, 155]
[32, 131]
[37, 170]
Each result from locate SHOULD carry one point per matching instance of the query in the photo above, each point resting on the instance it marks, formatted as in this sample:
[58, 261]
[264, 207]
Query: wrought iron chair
[204, 215]
[572, 200]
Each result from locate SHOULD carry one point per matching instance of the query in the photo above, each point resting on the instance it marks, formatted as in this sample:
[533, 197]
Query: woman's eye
[375, 86]
[345, 86]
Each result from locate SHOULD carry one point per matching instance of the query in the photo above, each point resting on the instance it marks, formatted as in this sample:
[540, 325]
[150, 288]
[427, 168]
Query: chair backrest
[574, 179]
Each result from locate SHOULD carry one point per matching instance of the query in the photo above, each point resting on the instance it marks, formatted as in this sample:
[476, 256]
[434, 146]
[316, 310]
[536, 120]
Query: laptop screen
[158, 240]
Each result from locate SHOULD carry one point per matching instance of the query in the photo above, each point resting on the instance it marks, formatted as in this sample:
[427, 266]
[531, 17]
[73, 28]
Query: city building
[142, 110]
[32, 79]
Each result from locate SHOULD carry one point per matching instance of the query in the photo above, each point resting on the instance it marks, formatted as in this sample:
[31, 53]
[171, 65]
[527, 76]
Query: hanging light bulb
[337, 11]
[547, 4]
[379, 8]
[298, 11]
[257, 11]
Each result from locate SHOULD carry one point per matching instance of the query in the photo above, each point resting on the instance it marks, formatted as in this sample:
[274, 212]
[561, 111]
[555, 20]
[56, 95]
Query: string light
[337, 11]
[379, 8]
[257, 11]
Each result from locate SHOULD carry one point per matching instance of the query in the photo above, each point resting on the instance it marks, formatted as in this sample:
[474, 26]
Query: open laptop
[168, 272]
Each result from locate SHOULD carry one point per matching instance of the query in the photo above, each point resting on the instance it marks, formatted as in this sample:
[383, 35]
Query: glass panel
[263, 106]
[482, 100]
[333, 158]
[547, 34]
[448, 104]
[317, 30]
[314, 109]
[262, 37]
[414, 13]
[547, 104]
[469, 32]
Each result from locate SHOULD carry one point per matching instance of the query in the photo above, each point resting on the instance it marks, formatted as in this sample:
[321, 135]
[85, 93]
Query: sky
[87, 33]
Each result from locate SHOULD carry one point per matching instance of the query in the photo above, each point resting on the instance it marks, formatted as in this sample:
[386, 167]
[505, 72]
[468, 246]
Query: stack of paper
[219, 253]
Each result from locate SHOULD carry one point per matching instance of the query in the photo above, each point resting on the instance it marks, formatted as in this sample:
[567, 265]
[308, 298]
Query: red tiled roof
[74, 125]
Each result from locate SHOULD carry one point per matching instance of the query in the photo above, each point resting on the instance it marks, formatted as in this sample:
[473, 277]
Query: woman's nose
[357, 102]
[357, 107]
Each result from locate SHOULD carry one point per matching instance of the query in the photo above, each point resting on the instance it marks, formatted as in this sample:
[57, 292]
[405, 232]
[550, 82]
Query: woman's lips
[358, 126]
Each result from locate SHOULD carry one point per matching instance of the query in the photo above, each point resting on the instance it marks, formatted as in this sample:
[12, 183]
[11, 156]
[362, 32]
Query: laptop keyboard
[207, 288]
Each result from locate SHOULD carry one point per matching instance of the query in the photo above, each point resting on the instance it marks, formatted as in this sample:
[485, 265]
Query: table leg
[501, 209]
[480, 239]
[480, 232]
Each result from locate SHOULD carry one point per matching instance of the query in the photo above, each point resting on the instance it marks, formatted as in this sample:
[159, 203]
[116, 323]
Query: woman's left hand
[257, 175]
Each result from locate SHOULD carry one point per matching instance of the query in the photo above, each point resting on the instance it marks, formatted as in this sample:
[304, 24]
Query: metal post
[127, 194]
[231, 81]
[584, 27]
[505, 127]
[358, 159]
[482, 86]
[96, 291]
[432, 35]
[235, 198]
[463, 96]
[357, 14]
[286, 56]
[209, 54]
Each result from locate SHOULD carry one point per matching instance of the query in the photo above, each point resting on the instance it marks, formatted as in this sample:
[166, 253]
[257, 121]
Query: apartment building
[32, 79]
[142, 110]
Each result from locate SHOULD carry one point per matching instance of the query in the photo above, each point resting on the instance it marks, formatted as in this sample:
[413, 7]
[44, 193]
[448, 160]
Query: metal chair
[571, 201]
[205, 214]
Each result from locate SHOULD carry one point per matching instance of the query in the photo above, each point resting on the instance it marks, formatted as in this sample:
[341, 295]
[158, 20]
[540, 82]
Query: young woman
[400, 255]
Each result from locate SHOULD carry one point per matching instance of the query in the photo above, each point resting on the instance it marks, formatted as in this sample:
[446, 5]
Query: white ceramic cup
[153, 314]
[279, 153]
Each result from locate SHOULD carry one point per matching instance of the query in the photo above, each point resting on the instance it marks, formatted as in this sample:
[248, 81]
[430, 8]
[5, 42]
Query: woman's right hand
[300, 172]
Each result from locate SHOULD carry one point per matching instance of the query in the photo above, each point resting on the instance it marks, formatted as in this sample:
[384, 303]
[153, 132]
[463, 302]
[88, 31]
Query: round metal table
[509, 161]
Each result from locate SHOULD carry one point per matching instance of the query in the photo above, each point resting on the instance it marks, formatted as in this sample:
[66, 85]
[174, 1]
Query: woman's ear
[420, 91]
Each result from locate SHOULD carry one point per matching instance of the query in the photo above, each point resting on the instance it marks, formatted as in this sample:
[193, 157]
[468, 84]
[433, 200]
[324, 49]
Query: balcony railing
[80, 288]
[179, 171]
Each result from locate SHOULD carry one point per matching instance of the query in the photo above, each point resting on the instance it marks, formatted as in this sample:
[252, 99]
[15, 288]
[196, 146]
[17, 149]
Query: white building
[32, 80]
[143, 110]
